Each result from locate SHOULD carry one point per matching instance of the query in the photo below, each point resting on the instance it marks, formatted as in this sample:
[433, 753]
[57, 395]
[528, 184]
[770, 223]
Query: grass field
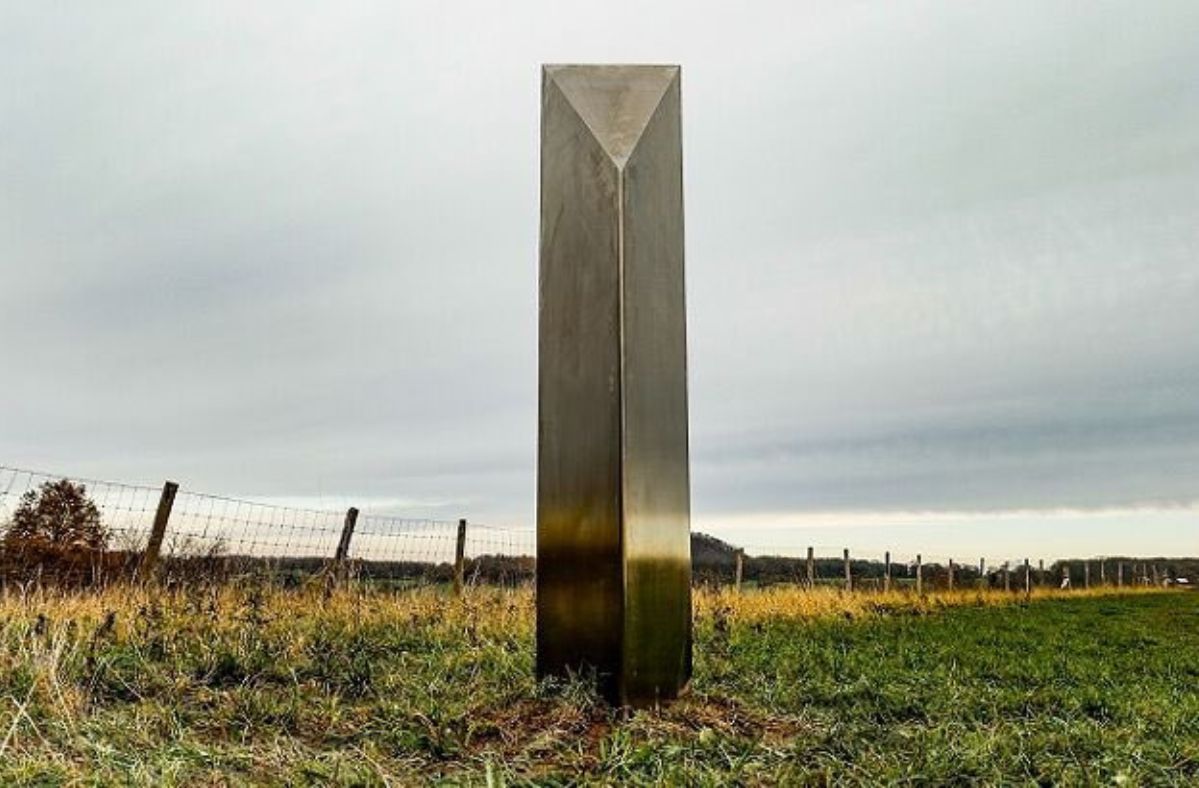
[249, 685]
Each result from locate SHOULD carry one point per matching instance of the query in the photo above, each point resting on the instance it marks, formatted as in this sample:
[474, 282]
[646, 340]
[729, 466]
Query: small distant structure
[1065, 581]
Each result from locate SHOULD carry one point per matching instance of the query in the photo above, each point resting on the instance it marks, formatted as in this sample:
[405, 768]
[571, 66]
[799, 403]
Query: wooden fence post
[848, 572]
[159, 529]
[919, 574]
[1119, 574]
[887, 571]
[740, 557]
[811, 568]
[1007, 577]
[982, 572]
[1040, 572]
[1027, 578]
[950, 574]
[347, 533]
[460, 559]
[1102, 571]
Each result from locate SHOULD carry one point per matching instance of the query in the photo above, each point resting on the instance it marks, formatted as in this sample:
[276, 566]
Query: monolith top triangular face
[616, 102]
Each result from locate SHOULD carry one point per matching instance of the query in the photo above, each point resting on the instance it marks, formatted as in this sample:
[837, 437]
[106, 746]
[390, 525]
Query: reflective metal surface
[613, 501]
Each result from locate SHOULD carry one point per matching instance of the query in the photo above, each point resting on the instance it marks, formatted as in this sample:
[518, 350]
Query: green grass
[1091, 690]
[237, 686]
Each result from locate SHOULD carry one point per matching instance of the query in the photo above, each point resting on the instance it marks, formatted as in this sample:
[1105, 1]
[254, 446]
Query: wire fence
[875, 570]
[202, 524]
[90, 530]
[64, 527]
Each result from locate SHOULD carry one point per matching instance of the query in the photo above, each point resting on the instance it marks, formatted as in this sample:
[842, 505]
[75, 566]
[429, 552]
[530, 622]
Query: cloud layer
[941, 257]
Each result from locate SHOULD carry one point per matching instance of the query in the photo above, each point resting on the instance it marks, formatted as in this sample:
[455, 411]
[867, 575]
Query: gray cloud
[940, 256]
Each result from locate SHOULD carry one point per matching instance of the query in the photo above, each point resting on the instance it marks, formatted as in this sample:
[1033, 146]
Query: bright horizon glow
[967, 536]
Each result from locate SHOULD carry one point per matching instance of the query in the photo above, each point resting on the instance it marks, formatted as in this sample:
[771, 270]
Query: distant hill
[708, 550]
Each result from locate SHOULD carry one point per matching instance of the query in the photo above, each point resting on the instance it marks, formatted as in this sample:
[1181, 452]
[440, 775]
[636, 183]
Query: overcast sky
[942, 258]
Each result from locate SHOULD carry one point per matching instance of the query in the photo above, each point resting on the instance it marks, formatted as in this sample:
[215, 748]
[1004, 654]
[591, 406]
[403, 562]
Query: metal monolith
[613, 501]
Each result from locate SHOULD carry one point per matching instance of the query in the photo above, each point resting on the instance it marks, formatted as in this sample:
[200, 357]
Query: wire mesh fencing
[62, 528]
[77, 529]
[208, 536]
[716, 562]
[90, 531]
[402, 550]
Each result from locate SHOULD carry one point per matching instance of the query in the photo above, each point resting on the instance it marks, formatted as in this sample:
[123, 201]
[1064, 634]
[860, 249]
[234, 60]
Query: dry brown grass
[797, 602]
